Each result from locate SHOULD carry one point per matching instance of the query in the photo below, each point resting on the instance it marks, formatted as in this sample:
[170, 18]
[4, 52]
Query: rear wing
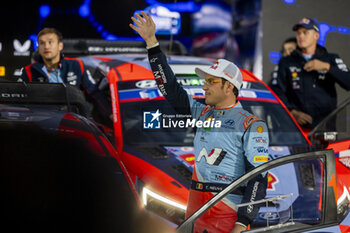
[83, 47]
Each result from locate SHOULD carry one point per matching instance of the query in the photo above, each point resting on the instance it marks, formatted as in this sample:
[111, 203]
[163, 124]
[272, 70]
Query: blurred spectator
[288, 46]
[51, 66]
[306, 79]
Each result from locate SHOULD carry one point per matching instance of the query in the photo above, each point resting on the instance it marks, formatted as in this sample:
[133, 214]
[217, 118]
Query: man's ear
[317, 35]
[60, 46]
[230, 87]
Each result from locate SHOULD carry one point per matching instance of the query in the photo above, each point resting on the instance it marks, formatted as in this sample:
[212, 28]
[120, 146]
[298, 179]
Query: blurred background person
[306, 79]
[288, 46]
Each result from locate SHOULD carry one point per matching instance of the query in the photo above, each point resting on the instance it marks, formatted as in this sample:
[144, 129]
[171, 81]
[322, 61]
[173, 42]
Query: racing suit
[221, 154]
[311, 92]
[73, 72]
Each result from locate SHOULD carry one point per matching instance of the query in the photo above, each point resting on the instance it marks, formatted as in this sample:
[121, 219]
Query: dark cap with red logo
[306, 23]
[223, 69]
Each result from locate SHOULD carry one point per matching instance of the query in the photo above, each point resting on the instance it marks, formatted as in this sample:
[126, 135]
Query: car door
[311, 206]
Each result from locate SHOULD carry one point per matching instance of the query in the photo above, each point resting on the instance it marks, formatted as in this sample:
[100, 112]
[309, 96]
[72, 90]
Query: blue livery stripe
[138, 93]
[265, 95]
[130, 94]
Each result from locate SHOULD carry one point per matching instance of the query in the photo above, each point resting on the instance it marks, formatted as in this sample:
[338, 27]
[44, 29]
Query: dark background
[21, 19]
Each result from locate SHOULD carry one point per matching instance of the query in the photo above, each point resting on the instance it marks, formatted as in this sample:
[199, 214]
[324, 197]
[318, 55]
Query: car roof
[136, 66]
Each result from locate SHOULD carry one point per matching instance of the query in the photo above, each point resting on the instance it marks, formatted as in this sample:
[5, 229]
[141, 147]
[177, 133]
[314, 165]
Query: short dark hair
[235, 89]
[51, 30]
[290, 39]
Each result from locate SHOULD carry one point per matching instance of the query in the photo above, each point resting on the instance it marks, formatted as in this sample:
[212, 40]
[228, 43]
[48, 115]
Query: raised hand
[145, 27]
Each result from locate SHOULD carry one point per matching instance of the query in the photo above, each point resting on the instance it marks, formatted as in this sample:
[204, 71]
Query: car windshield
[134, 114]
[132, 117]
[282, 130]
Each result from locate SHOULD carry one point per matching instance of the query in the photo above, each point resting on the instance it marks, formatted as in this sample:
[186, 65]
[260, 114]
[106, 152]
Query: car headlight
[343, 204]
[166, 208]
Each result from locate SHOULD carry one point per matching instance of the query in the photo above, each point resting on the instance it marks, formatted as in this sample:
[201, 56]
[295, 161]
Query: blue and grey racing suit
[222, 154]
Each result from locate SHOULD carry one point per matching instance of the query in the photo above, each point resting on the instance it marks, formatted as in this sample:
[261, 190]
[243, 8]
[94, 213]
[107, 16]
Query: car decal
[278, 151]
[272, 180]
[344, 157]
[183, 154]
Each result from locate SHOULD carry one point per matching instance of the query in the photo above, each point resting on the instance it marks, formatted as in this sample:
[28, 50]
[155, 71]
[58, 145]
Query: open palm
[145, 27]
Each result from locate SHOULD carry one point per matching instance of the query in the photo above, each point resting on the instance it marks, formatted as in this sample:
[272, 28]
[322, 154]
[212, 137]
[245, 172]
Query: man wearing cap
[306, 79]
[222, 154]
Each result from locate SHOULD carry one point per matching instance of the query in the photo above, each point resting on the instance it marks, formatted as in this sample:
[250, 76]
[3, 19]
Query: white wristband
[155, 45]
[241, 224]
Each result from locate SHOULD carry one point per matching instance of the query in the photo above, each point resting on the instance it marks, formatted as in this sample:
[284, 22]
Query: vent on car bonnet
[154, 152]
[183, 172]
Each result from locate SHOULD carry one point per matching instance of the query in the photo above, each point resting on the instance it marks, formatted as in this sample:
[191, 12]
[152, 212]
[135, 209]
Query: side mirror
[323, 138]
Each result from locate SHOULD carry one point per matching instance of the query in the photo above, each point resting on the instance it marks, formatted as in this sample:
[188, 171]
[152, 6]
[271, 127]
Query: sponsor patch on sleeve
[250, 120]
[261, 159]
[260, 129]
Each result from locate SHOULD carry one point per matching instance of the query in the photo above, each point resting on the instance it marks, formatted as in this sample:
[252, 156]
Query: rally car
[159, 156]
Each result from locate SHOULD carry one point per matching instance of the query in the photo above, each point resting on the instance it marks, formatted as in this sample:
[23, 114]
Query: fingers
[136, 22]
[316, 64]
[147, 18]
[133, 27]
[301, 117]
[139, 21]
[308, 66]
[142, 20]
[301, 121]
[305, 119]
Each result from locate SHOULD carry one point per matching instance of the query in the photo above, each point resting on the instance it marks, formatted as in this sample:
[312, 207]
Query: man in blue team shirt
[305, 80]
[221, 155]
[53, 67]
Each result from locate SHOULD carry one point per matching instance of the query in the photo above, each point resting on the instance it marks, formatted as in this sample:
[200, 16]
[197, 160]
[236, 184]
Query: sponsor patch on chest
[72, 78]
